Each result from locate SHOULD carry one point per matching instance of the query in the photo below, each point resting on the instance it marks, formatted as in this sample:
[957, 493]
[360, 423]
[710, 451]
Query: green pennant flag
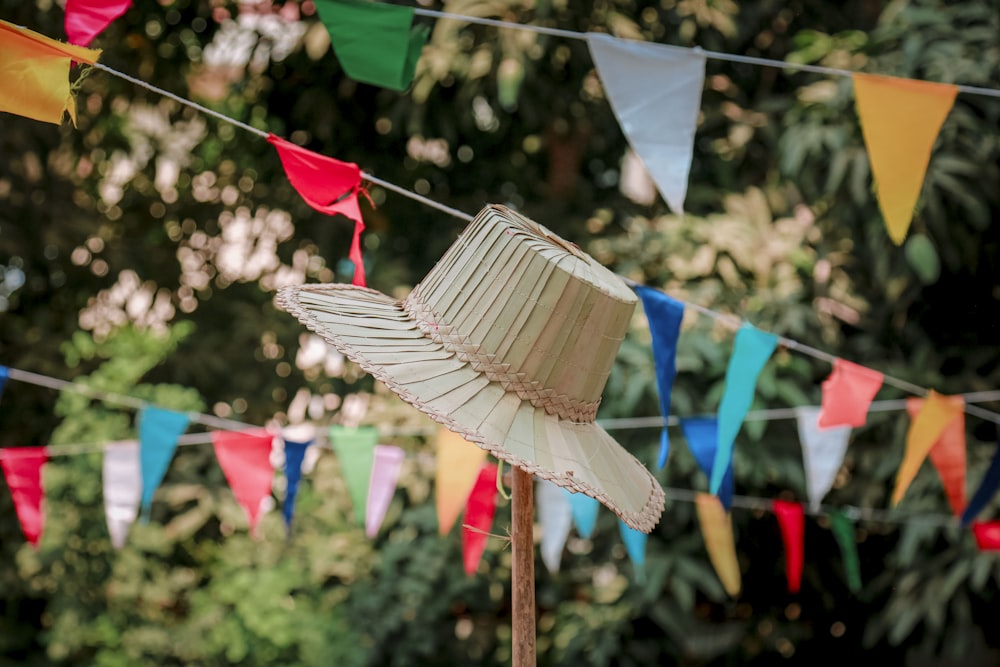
[843, 531]
[374, 41]
[355, 448]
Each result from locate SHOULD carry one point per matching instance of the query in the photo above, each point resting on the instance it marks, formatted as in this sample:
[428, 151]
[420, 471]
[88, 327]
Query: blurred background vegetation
[139, 254]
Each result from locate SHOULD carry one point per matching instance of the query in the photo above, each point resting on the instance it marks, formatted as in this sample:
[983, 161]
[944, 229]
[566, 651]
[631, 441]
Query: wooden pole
[523, 569]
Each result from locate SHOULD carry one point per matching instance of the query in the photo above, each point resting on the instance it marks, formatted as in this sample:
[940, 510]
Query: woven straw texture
[508, 341]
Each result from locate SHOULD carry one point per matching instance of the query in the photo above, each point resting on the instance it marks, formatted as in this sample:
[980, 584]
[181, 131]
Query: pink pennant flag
[479, 511]
[385, 473]
[987, 535]
[85, 19]
[22, 468]
[847, 395]
[948, 453]
[792, 521]
[245, 459]
[329, 186]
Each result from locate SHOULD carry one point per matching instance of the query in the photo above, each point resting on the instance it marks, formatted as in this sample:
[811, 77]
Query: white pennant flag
[556, 516]
[822, 452]
[122, 489]
[655, 92]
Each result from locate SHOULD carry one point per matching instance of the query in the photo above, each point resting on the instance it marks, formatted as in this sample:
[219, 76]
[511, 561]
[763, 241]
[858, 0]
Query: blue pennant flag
[664, 314]
[159, 431]
[985, 492]
[584, 509]
[751, 351]
[294, 453]
[702, 434]
[635, 544]
[4, 374]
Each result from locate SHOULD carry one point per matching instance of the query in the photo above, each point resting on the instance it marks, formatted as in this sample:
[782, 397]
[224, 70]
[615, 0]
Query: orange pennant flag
[35, 73]
[948, 453]
[936, 414]
[900, 120]
[458, 465]
[717, 530]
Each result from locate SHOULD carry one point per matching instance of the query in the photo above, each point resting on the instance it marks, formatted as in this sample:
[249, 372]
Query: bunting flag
[555, 514]
[948, 453]
[987, 535]
[382, 487]
[847, 394]
[375, 42]
[295, 452]
[22, 469]
[664, 315]
[751, 351]
[986, 490]
[355, 448]
[327, 185]
[843, 532]
[159, 431]
[245, 459]
[635, 545]
[479, 511]
[122, 477]
[822, 452]
[792, 521]
[85, 19]
[900, 120]
[4, 374]
[35, 74]
[458, 466]
[936, 413]
[655, 92]
[584, 511]
[717, 531]
[702, 435]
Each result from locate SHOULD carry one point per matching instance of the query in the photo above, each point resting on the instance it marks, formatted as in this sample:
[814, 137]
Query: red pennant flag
[479, 510]
[22, 468]
[85, 19]
[245, 459]
[329, 186]
[847, 394]
[792, 520]
[948, 453]
[987, 535]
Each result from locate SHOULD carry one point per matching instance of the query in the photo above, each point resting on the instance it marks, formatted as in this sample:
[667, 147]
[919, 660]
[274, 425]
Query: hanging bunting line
[714, 55]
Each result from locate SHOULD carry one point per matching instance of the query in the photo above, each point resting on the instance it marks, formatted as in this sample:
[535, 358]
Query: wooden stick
[523, 569]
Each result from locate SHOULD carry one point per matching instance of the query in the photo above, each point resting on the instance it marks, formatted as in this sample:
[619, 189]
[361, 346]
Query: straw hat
[508, 341]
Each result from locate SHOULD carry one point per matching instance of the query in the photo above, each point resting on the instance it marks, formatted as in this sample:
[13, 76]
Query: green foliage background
[782, 228]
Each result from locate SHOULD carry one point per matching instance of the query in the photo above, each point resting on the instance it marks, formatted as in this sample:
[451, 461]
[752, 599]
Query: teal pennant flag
[375, 42]
[159, 431]
[635, 545]
[584, 511]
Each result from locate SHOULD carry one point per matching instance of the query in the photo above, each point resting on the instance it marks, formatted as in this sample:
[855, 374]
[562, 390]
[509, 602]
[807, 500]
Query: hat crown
[528, 309]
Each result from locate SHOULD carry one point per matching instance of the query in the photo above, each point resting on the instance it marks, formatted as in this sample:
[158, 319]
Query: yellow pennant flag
[458, 464]
[926, 428]
[34, 73]
[900, 120]
[717, 530]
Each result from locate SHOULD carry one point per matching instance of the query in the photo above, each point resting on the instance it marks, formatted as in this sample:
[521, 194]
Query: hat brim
[374, 331]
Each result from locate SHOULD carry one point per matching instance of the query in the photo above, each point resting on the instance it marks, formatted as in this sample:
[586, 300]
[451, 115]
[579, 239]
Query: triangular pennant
[717, 530]
[936, 413]
[159, 431]
[22, 468]
[329, 186]
[555, 514]
[635, 545]
[987, 535]
[4, 374]
[986, 490]
[355, 448]
[85, 19]
[584, 511]
[948, 453]
[374, 41]
[245, 459]
[122, 477]
[385, 474]
[843, 532]
[295, 452]
[847, 394]
[702, 435]
[900, 120]
[791, 520]
[458, 465]
[35, 72]
[655, 92]
[822, 452]
[664, 315]
[479, 510]
[751, 351]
